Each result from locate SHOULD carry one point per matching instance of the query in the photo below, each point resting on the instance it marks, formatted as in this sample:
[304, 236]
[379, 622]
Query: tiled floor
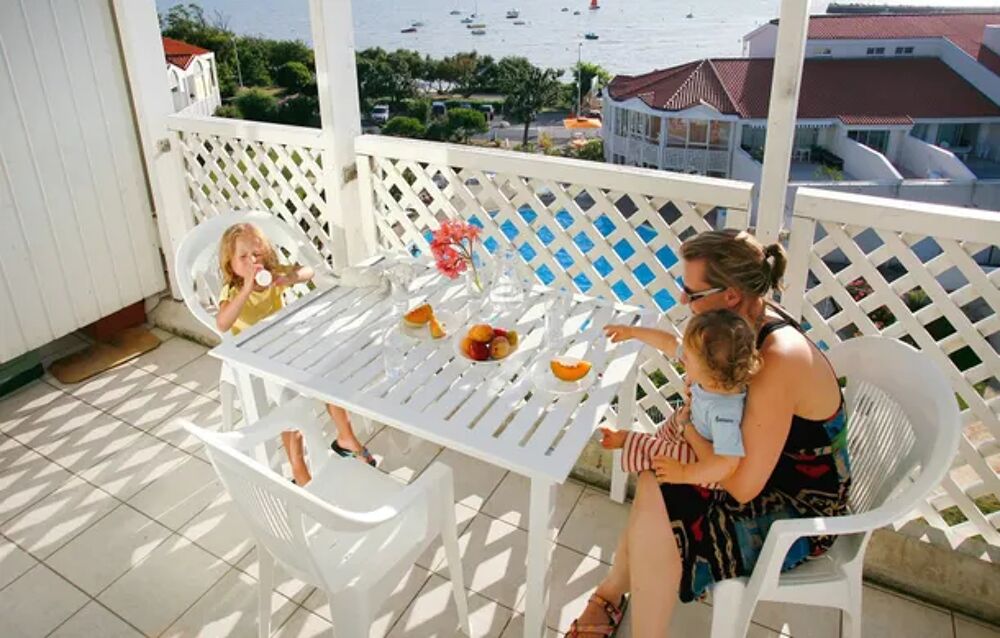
[113, 524]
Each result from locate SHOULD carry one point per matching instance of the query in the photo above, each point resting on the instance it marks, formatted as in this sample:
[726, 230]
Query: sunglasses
[693, 295]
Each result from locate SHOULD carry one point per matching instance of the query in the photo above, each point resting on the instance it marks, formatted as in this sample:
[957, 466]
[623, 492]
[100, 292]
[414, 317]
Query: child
[719, 357]
[243, 252]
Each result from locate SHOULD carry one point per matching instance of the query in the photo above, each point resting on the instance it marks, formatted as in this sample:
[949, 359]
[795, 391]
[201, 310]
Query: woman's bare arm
[659, 339]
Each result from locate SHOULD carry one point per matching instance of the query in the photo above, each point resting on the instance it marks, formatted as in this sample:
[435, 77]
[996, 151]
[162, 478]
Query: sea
[633, 36]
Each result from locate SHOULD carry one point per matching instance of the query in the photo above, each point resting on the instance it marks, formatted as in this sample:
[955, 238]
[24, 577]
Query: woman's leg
[654, 572]
[292, 441]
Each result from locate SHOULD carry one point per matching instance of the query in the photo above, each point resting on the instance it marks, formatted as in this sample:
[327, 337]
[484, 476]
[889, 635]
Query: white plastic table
[329, 346]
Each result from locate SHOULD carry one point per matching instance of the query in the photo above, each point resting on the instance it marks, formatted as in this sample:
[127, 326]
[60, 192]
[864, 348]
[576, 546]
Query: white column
[146, 68]
[337, 82]
[793, 29]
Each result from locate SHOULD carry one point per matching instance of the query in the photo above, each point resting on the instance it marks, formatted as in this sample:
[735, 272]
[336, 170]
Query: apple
[479, 351]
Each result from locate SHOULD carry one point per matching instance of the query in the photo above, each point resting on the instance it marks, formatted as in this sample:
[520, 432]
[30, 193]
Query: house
[192, 76]
[884, 99]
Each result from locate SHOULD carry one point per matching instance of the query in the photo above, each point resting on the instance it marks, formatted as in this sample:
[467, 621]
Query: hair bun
[774, 264]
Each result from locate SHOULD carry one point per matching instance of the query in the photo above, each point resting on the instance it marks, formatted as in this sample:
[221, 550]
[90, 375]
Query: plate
[448, 320]
[458, 350]
[542, 377]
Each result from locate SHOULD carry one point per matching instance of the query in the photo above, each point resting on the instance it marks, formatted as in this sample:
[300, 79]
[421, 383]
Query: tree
[462, 68]
[379, 78]
[584, 74]
[464, 123]
[294, 76]
[418, 108]
[228, 110]
[301, 110]
[257, 104]
[402, 126]
[280, 52]
[529, 89]
[255, 63]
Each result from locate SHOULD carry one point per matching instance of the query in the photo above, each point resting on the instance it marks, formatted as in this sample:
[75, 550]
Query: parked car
[466, 105]
[438, 109]
[380, 113]
[488, 111]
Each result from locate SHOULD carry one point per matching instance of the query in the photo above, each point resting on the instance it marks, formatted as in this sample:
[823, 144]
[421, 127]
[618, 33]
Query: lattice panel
[226, 173]
[931, 292]
[611, 243]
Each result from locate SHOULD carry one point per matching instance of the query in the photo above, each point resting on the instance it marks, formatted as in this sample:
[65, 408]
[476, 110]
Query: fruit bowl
[485, 344]
[543, 374]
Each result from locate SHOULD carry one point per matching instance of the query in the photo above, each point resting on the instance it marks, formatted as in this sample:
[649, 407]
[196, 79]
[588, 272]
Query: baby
[719, 357]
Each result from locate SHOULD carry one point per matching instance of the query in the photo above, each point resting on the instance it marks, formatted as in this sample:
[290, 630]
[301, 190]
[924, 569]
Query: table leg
[253, 401]
[626, 417]
[540, 546]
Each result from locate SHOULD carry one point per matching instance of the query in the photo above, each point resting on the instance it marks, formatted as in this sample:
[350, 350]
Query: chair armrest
[295, 414]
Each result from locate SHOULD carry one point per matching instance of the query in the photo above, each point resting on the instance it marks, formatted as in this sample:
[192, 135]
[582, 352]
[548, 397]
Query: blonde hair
[727, 345]
[227, 247]
[735, 259]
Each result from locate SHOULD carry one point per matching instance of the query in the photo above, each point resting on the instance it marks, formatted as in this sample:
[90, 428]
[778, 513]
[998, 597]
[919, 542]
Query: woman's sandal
[351, 454]
[614, 614]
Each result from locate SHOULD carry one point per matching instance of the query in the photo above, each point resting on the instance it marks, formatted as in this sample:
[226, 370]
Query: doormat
[104, 355]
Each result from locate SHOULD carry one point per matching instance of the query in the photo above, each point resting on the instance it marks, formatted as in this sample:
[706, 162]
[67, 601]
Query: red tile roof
[181, 53]
[857, 90]
[963, 29]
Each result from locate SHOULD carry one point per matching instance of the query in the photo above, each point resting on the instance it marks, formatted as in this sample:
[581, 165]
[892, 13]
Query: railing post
[145, 66]
[337, 82]
[793, 27]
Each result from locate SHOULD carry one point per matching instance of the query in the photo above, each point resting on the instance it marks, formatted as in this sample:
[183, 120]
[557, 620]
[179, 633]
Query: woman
[796, 465]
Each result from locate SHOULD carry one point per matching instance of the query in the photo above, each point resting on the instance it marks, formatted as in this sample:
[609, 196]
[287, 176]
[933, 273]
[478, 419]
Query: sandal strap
[613, 612]
[576, 629]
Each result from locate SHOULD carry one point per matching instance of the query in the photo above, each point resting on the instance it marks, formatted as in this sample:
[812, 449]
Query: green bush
[438, 131]
[464, 123]
[257, 104]
[301, 110]
[402, 126]
[230, 111]
[293, 76]
[417, 108]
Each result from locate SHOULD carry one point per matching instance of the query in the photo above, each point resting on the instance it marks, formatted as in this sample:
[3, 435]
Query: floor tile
[19, 405]
[433, 614]
[887, 616]
[174, 575]
[112, 387]
[199, 410]
[493, 559]
[96, 439]
[574, 577]
[162, 334]
[27, 479]
[433, 556]
[401, 455]
[169, 356]
[200, 375]
[125, 473]
[389, 611]
[58, 518]
[291, 588]
[14, 561]
[229, 609]
[107, 549]
[20, 611]
[97, 622]
[515, 629]
[799, 621]
[153, 403]
[595, 525]
[53, 421]
[474, 480]
[303, 624]
[177, 496]
[510, 501]
[221, 530]
[971, 628]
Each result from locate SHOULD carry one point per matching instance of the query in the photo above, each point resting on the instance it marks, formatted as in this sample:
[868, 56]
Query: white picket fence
[615, 231]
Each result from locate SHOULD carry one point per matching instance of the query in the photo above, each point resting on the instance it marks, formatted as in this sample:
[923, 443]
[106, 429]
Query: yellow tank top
[260, 304]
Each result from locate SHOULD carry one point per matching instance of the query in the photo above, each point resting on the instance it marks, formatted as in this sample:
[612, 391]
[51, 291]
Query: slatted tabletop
[330, 345]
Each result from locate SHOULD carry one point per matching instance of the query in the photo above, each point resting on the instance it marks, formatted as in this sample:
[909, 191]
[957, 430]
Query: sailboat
[594, 6]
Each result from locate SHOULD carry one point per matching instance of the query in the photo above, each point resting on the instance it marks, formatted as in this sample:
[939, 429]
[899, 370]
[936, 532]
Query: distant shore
[850, 7]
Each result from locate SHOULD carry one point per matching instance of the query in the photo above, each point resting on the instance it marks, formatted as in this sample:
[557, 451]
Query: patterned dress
[720, 538]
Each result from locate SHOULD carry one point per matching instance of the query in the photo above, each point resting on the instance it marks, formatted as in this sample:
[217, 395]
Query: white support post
[337, 82]
[793, 28]
[146, 68]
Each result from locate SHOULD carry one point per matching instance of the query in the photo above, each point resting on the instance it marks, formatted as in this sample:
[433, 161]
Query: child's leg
[345, 433]
[292, 440]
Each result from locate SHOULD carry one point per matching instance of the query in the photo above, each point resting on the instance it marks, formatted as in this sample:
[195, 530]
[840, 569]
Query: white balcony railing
[615, 231]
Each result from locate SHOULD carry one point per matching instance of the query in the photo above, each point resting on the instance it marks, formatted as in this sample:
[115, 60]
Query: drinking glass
[557, 305]
[394, 346]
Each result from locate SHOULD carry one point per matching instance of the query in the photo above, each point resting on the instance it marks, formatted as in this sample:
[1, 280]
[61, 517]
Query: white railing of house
[689, 160]
[930, 161]
[745, 167]
[243, 165]
[598, 228]
[858, 264]
[864, 163]
[615, 231]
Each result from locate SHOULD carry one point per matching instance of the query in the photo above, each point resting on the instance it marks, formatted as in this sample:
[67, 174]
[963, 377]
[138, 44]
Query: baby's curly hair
[727, 344]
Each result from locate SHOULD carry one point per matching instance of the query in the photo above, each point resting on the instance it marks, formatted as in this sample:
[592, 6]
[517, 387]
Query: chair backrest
[197, 260]
[903, 424]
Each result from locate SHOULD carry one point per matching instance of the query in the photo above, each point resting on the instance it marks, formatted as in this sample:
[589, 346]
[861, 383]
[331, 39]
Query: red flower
[452, 245]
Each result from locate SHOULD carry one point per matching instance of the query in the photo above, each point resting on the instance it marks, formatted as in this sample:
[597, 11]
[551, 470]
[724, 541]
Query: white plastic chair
[352, 531]
[903, 432]
[200, 281]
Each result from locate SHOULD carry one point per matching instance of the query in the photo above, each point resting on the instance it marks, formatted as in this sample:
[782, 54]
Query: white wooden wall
[77, 235]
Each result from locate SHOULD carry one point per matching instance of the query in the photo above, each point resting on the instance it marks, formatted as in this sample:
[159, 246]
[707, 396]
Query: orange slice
[436, 330]
[419, 315]
[570, 369]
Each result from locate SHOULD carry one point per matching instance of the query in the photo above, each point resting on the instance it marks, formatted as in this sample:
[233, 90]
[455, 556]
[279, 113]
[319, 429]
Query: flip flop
[351, 454]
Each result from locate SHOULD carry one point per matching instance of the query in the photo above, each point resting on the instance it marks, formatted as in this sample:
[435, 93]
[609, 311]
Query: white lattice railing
[243, 165]
[870, 266]
[601, 229]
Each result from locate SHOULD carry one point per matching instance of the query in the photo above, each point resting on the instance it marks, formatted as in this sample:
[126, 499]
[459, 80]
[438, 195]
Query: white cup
[263, 278]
